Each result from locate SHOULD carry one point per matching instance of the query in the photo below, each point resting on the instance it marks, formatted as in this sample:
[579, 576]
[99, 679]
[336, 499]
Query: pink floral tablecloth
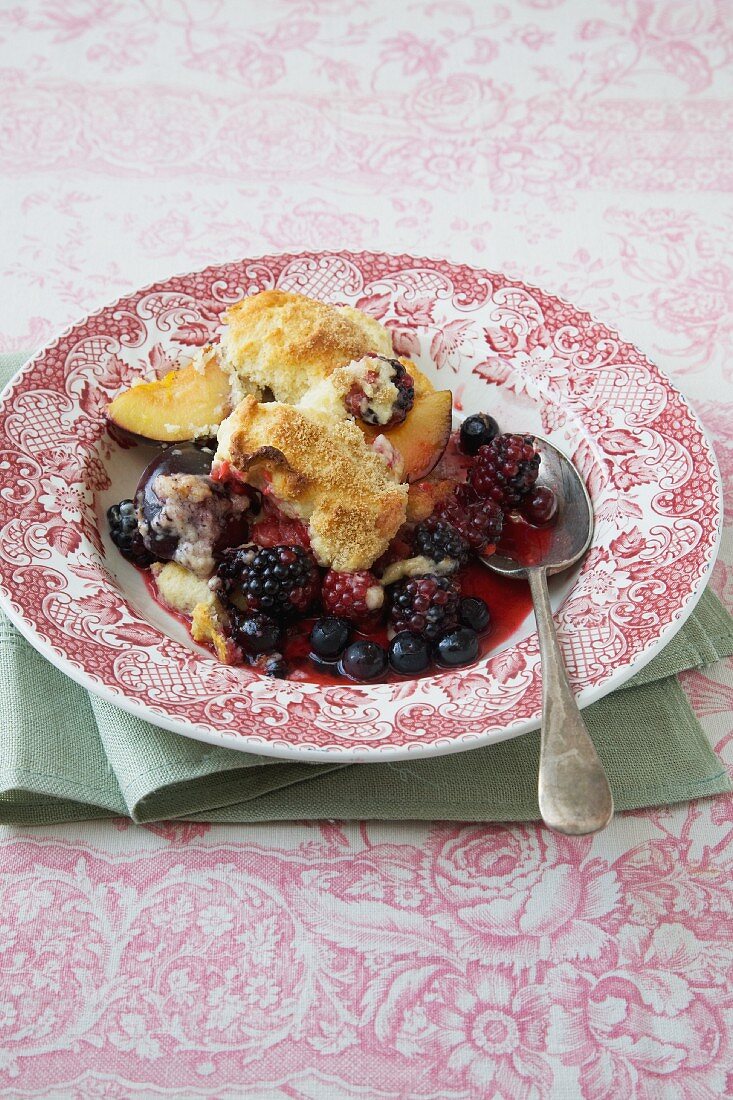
[584, 147]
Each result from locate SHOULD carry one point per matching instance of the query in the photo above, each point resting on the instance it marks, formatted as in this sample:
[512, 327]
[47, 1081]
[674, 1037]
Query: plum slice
[184, 515]
[423, 436]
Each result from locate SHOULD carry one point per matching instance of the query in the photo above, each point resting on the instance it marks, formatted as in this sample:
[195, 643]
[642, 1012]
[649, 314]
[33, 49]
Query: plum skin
[180, 458]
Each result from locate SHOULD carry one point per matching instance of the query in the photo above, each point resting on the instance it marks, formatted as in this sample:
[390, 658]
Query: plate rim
[380, 751]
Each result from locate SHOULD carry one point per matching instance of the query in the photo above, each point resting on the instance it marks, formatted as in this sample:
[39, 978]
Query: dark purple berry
[480, 521]
[254, 632]
[330, 636]
[473, 612]
[476, 431]
[540, 507]
[457, 647]
[405, 393]
[281, 580]
[505, 470]
[409, 653]
[363, 661]
[424, 605]
[124, 532]
[357, 402]
[435, 539]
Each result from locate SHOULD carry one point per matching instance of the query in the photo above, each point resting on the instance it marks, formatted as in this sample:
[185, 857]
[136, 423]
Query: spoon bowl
[573, 792]
[562, 545]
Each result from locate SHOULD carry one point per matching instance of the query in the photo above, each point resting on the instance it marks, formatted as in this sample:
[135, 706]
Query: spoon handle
[573, 790]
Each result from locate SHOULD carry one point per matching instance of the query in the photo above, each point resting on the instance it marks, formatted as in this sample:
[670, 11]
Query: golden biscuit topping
[287, 342]
[320, 470]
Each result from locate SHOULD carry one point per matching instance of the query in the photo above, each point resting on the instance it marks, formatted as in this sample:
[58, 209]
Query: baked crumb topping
[287, 342]
[319, 470]
[192, 512]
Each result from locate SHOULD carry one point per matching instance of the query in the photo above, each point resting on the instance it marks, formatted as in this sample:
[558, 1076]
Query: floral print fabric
[585, 149]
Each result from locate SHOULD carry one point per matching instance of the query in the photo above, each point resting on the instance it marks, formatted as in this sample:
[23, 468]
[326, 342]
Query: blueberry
[473, 612]
[477, 430]
[363, 661]
[457, 647]
[255, 632]
[408, 653]
[330, 636]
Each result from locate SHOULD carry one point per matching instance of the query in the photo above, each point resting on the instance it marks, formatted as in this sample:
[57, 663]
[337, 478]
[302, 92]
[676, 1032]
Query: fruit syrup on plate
[403, 619]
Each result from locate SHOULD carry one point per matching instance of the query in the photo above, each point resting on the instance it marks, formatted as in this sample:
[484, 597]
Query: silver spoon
[573, 790]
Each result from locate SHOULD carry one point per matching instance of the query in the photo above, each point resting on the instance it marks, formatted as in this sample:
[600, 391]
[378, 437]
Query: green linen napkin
[70, 756]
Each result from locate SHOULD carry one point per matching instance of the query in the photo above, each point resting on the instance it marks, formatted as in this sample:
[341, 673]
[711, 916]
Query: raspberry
[352, 596]
[275, 529]
[357, 402]
[505, 469]
[480, 521]
[125, 534]
[271, 532]
[437, 540]
[281, 580]
[425, 605]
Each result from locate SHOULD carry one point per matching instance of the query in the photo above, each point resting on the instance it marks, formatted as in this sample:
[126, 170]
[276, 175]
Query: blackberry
[405, 393]
[357, 402]
[125, 533]
[505, 470]
[425, 605]
[280, 580]
[354, 596]
[479, 521]
[477, 430]
[435, 539]
[254, 633]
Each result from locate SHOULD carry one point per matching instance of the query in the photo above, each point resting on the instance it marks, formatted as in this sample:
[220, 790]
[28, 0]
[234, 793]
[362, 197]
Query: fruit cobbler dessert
[312, 512]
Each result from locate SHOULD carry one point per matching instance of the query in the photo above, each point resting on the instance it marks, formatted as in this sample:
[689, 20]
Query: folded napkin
[70, 756]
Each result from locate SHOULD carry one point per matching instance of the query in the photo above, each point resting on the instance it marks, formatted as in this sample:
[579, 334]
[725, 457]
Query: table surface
[584, 148]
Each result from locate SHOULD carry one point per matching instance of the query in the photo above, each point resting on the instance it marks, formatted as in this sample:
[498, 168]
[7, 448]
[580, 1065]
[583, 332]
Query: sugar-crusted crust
[288, 342]
[321, 471]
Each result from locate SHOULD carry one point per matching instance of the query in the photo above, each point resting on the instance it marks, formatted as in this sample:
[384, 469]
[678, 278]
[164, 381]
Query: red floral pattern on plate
[507, 345]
